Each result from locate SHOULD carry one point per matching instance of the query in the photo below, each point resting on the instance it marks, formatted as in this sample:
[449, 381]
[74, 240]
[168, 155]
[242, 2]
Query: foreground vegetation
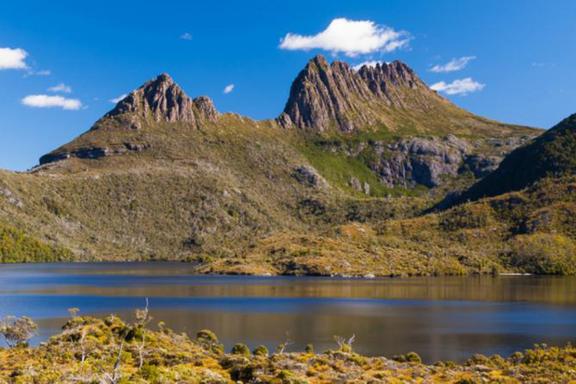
[91, 350]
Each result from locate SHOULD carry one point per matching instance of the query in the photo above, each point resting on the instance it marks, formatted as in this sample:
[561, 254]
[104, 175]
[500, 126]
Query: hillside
[166, 177]
[552, 154]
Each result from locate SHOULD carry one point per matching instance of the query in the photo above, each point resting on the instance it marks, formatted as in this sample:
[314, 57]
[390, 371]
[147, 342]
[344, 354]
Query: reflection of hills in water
[176, 280]
[441, 318]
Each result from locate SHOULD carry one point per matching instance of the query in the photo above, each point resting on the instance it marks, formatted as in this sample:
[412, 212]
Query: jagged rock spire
[163, 100]
[326, 96]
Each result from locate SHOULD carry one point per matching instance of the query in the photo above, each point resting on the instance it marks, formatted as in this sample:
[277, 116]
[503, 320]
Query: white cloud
[186, 36]
[61, 88]
[458, 87]
[13, 58]
[369, 63]
[351, 37]
[46, 101]
[229, 88]
[118, 99]
[41, 72]
[453, 65]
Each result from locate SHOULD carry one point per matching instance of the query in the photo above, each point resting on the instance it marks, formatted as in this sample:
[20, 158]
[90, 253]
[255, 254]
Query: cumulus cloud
[453, 65]
[61, 88]
[46, 101]
[351, 37]
[118, 99]
[228, 89]
[13, 58]
[186, 36]
[458, 87]
[369, 63]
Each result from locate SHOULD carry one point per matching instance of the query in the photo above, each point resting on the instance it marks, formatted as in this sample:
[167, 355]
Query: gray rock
[334, 96]
[164, 100]
[308, 176]
[419, 160]
[10, 197]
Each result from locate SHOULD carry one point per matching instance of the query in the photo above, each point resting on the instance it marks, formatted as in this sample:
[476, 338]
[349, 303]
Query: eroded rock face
[419, 160]
[326, 96]
[427, 161]
[164, 100]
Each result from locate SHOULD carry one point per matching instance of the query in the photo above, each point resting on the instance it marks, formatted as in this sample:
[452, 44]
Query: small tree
[282, 346]
[17, 330]
[142, 319]
[73, 312]
[116, 374]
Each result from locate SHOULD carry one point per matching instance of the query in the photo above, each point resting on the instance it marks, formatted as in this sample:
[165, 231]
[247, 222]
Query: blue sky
[515, 58]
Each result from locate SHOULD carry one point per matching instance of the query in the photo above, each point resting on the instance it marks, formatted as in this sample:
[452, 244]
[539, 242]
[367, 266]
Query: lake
[441, 318]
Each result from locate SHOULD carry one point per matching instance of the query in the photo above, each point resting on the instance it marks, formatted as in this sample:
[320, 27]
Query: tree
[142, 319]
[17, 330]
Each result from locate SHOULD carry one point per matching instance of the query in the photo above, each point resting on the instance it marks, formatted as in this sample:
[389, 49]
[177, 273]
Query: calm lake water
[440, 318]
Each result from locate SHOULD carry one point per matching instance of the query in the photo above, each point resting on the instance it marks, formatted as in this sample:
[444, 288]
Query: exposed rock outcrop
[308, 176]
[163, 100]
[427, 161]
[334, 96]
[419, 160]
[160, 100]
[93, 152]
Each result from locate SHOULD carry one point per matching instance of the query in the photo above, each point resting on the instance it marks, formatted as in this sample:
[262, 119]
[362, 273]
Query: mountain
[159, 101]
[553, 154]
[329, 187]
[385, 97]
[386, 118]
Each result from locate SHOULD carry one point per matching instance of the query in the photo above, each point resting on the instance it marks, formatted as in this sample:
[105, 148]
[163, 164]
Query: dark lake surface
[439, 317]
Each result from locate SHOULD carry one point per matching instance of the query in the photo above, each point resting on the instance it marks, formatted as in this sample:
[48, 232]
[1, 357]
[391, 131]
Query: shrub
[240, 349]
[470, 216]
[17, 330]
[260, 350]
[410, 357]
[544, 254]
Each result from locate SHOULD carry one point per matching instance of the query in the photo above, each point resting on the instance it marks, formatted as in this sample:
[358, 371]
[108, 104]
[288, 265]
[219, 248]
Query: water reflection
[440, 318]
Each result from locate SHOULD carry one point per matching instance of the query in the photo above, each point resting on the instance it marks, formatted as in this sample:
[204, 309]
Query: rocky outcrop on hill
[92, 152]
[163, 100]
[160, 100]
[429, 161]
[308, 176]
[334, 96]
[419, 160]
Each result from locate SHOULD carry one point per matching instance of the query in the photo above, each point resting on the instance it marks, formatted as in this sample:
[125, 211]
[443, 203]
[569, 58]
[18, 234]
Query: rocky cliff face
[163, 100]
[431, 161]
[334, 96]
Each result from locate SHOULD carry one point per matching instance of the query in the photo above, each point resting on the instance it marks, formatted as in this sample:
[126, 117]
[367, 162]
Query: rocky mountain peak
[164, 100]
[325, 96]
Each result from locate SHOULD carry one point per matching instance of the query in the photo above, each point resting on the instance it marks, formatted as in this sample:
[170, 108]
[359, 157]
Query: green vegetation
[16, 246]
[109, 350]
[225, 193]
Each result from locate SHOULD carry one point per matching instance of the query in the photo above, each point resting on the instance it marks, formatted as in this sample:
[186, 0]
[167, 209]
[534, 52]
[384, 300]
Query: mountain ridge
[166, 177]
[549, 155]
